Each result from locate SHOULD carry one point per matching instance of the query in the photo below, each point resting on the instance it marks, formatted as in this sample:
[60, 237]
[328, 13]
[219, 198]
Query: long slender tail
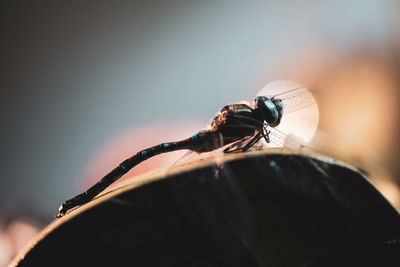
[189, 143]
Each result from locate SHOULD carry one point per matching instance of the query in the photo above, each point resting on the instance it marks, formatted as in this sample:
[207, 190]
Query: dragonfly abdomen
[121, 169]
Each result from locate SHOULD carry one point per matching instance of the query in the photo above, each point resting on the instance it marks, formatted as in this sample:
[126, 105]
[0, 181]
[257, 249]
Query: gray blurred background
[75, 74]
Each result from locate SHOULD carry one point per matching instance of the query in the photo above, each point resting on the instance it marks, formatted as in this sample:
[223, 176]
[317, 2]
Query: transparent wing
[281, 139]
[295, 99]
[186, 158]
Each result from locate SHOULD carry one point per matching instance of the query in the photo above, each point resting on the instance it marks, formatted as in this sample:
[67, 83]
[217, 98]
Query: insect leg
[252, 141]
[237, 144]
[265, 133]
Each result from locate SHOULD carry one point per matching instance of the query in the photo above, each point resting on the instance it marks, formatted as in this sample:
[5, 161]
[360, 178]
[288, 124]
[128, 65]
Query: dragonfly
[236, 127]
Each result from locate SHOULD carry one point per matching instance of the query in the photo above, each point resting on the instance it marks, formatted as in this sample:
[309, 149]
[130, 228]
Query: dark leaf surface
[251, 209]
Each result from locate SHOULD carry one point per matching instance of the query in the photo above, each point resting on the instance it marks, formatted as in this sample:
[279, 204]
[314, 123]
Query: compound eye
[269, 104]
[268, 110]
[279, 105]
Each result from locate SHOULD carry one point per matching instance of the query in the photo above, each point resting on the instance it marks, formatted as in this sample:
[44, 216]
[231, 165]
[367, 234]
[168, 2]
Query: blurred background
[85, 84]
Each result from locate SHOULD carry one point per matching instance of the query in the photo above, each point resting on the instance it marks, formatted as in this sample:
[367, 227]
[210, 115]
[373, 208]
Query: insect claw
[62, 210]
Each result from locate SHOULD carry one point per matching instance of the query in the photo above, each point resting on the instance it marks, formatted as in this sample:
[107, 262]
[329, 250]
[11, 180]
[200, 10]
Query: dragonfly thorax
[270, 109]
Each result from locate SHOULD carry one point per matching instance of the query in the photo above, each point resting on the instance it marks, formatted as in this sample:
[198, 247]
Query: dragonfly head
[271, 110]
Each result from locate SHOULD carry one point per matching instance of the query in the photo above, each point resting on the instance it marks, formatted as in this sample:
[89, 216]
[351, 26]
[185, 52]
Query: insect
[240, 126]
